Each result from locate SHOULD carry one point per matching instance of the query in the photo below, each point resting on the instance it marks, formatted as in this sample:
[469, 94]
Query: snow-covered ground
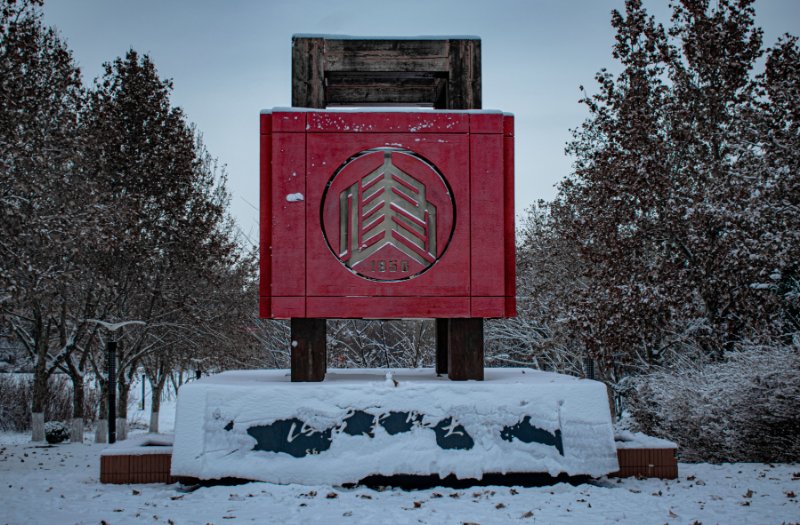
[60, 484]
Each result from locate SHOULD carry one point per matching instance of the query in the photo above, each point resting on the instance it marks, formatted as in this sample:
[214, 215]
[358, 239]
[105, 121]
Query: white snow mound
[258, 425]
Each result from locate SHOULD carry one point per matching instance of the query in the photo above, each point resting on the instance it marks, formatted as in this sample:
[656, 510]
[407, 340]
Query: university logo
[394, 214]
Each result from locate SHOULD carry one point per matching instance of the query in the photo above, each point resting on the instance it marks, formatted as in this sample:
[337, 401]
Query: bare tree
[49, 210]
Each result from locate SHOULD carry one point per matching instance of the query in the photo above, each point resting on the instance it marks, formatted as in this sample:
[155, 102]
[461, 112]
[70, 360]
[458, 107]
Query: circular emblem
[387, 214]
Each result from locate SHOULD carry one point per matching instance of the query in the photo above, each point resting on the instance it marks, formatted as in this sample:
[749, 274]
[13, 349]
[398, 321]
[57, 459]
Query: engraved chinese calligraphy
[297, 438]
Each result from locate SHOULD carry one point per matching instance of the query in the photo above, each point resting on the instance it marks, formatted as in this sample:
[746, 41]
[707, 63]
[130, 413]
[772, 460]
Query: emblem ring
[387, 214]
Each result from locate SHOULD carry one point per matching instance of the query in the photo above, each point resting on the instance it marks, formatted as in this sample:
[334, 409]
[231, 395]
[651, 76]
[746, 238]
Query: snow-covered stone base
[258, 425]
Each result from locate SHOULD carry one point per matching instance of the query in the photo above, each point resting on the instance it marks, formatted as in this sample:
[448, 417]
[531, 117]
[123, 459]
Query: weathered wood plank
[412, 88]
[287, 244]
[395, 78]
[386, 55]
[389, 46]
[465, 349]
[265, 217]
[309, 355]
[308, 78]
[288, 307]
[487, 248]
[508, 196]
[388, 307]
[378, 95]
[385, 64]
[464, 79]
[487, 307]
[442, 325]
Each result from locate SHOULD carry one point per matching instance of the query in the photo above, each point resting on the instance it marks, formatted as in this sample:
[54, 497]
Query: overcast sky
[230, 59]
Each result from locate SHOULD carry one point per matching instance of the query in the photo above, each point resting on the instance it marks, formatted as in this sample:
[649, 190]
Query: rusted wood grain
[464, 76]
[442, 325]
[309, 355]
[465, 349]
[308, 90]
[386, 55]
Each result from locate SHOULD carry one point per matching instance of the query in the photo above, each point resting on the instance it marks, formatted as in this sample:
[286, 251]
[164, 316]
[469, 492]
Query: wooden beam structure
[444, 74]
[430, 72]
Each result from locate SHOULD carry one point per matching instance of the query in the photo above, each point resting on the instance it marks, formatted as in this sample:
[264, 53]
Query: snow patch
[627, 439]
[294, 197]
[141, 445]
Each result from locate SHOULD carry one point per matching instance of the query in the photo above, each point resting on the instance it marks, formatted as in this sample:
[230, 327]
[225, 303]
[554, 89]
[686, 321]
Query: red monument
[387, 215]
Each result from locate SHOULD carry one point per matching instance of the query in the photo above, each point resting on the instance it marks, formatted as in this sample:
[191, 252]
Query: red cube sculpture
[387, 214]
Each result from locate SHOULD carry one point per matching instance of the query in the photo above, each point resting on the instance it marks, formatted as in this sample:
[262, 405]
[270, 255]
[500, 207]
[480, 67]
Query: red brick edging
[155, 468]
[146, 468]
[647, 463]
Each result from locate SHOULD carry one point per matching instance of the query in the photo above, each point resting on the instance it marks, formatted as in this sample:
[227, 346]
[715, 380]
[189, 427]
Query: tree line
[112, 210]
[679, 226]
[674, 245]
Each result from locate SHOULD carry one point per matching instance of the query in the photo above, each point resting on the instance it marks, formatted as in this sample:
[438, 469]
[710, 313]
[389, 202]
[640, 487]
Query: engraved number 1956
[389, 265]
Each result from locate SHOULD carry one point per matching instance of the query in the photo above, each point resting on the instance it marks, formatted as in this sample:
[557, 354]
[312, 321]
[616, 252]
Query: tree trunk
[101, 432]
[122, 409]
[153, 422]
[39, 380]
[157, 387]
[122, 428]
[39, 397]
[76, 433]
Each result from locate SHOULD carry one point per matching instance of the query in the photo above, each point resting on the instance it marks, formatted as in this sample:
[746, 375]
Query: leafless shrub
[746, 408]
[16, 393]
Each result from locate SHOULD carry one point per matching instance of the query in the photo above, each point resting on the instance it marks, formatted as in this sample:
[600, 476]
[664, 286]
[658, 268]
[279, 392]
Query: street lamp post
[111, 366]
[111, 347]
[143, 378]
